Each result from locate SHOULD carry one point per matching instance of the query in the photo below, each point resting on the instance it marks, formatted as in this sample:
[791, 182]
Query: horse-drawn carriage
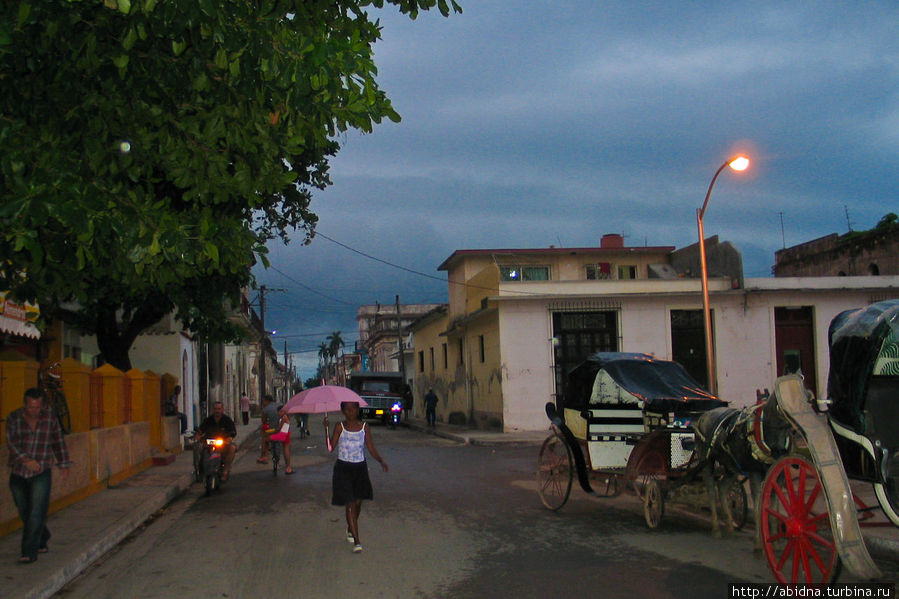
[616, 425]
[626, 422]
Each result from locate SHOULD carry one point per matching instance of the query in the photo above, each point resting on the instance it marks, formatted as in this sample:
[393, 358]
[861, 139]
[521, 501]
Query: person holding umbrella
[350, 483]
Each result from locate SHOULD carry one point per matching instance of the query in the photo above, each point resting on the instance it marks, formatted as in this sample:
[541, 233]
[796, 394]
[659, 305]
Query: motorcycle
[209, 464]
[396, 412]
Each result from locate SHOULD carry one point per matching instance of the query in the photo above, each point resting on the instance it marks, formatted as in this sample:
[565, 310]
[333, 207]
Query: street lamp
[737, 163]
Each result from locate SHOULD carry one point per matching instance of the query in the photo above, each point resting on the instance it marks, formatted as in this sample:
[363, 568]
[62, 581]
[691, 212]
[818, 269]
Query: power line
[419, 273]
[376, 259]
[308, 288]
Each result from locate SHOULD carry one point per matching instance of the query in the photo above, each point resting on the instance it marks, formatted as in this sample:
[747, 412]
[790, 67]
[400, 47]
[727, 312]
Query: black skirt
[350, 482]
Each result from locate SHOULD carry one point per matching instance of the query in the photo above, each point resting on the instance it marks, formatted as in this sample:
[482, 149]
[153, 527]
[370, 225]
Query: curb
[111, 536]
[500, 440]
[53, 581]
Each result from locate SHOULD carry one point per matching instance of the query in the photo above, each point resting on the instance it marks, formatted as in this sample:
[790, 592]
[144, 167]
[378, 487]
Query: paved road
[447, 521]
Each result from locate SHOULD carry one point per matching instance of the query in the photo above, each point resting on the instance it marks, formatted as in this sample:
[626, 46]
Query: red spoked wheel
[555, 472]
[795, 524]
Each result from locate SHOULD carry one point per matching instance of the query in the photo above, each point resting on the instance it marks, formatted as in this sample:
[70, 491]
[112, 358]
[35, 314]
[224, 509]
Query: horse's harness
[752, 420]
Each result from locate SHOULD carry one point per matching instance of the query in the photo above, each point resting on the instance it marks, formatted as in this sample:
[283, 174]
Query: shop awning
[17, 319]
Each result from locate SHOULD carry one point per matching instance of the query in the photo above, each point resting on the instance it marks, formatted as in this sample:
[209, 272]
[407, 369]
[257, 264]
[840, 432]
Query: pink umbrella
[323, 399]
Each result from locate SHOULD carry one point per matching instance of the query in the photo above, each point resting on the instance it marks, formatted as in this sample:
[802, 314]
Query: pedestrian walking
[350, 483]
[431, 408]
[303, 425]
[408, 399]
[283, 437]
[245, 408]
[34, 440]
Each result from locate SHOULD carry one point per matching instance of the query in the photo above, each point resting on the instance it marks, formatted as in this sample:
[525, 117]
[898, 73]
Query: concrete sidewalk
[86, 530]
[469, 436]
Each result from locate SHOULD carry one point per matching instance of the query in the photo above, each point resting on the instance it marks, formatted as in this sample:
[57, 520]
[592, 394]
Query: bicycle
[50, 381]
[277, 441]
[276, 451]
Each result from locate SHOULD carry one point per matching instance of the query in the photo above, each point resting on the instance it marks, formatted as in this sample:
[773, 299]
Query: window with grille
[600, 270]
[626, 271]
[524, 273]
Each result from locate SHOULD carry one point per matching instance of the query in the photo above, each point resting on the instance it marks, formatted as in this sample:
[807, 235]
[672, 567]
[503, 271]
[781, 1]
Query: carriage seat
[605, 422]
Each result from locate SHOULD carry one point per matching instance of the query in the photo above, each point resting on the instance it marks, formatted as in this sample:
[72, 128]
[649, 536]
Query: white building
[519, 319]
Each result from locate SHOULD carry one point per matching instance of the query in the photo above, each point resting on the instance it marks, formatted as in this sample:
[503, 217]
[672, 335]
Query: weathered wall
[100, 457]
[171, 433]
[112, 451]
[852, 254]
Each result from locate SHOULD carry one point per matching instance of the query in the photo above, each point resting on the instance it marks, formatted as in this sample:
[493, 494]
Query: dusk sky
[530, 124]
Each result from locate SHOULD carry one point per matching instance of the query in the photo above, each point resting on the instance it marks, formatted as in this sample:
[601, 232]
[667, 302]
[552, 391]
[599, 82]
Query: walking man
[431, 408]
[245, 408]
[34, 440]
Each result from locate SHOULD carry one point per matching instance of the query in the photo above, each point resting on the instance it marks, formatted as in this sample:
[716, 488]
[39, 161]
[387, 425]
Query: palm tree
[335, 342]
[324, 356]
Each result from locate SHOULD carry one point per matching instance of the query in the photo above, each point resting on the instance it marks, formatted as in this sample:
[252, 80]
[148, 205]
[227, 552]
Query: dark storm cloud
[527, 124]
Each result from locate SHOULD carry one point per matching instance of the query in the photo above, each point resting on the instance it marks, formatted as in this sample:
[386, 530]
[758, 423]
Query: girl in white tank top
[350, 483]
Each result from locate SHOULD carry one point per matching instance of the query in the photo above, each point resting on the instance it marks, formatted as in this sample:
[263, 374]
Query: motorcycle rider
[220, 424]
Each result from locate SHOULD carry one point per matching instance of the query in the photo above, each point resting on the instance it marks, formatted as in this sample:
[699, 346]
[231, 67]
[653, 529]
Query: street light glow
[740, 163]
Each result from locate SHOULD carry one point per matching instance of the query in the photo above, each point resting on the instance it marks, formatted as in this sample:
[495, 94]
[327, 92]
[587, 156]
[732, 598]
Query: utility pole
[399, 336]
[262, 344]
[262, 290]
[287, 380]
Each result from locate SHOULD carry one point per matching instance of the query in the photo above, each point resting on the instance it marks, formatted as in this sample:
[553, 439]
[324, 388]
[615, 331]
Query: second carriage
[625, 422]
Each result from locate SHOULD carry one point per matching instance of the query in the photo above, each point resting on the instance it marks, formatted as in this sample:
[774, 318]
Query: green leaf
[24, 13]
[213, 252]
[121, 61]
[130, 39]
[221, 59]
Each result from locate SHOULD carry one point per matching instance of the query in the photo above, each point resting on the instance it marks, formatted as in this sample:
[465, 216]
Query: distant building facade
[874, 252]
[380, 329]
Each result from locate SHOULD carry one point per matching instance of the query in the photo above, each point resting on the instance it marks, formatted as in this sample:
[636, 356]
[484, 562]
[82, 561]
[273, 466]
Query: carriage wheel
[555, 472]
[653, 504]
[650, 467]
[738, 503]
[795, 525]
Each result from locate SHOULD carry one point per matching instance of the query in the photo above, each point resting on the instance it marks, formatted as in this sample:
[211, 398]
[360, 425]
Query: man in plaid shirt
[34, 439]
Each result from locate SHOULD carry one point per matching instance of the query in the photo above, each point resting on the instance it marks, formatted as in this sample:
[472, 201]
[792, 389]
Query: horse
[740, 442]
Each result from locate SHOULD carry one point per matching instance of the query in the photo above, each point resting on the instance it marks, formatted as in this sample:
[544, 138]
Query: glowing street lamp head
[739, 163]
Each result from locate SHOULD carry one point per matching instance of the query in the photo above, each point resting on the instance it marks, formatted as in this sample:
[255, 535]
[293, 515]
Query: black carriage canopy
[864, 366]
[616, 378]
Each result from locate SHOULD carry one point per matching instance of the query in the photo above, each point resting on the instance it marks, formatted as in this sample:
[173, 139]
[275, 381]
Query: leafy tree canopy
[151, 148]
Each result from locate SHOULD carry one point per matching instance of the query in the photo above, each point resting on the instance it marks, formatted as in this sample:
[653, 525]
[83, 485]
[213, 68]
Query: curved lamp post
[737, 163]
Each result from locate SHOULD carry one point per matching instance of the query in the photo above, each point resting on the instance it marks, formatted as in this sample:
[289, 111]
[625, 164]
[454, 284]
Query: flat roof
[554, 251]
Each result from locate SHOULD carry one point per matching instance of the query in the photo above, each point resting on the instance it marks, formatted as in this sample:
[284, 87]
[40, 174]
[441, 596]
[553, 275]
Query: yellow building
[458, 347]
